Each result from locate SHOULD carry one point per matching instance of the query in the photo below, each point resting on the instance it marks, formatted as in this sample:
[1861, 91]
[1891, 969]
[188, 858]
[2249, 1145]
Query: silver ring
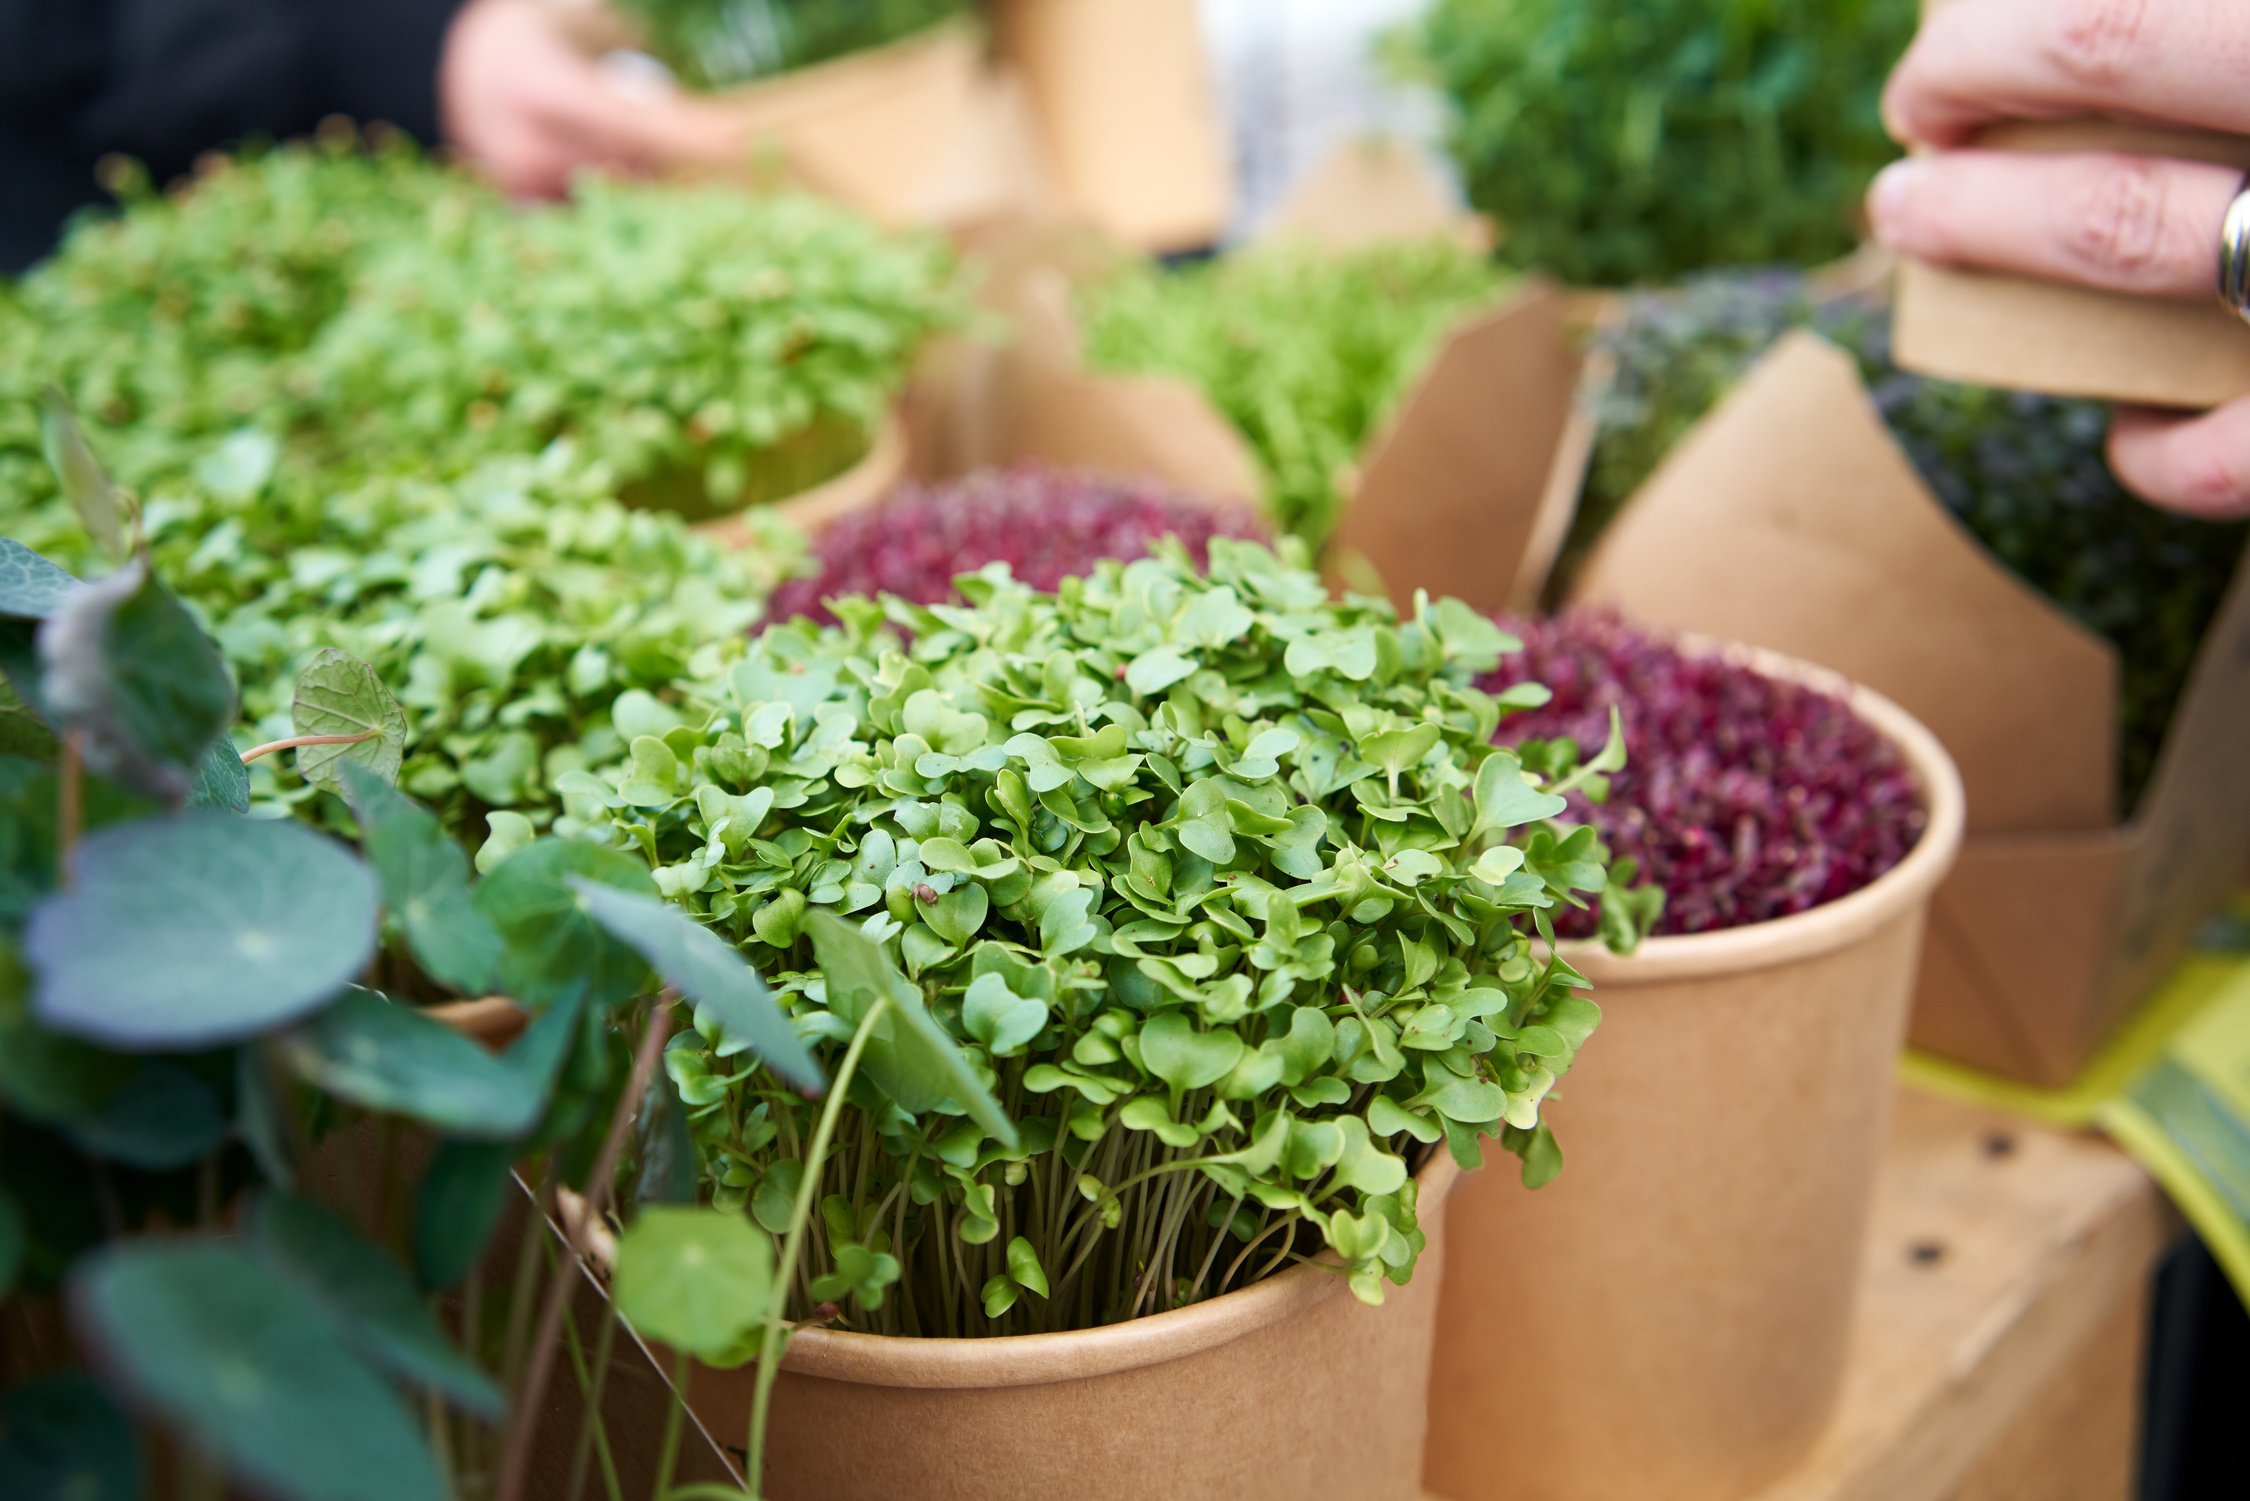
[2234, 255]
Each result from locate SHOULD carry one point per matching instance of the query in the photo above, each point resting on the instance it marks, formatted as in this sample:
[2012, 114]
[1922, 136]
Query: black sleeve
[165, 80]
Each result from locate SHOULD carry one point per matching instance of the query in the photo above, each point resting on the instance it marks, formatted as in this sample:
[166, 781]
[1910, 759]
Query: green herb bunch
[1627, 141]
[2024, 474]
[1219, 884]
[703, 347]
[186, 315]
[514, 608]
[712, 44]
[1305, 351]
[708, 348]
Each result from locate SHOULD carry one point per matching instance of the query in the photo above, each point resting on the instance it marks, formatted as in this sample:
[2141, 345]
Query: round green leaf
[425, 880]
[463, 1191]
[130, 669]
[389, 1058]
[694, 1279]
[30, 586]
[197, 931]
[252, 1368]
[62, 1439]
[372, 1295]
[338, 694]
[221, 780]
[163, 1118]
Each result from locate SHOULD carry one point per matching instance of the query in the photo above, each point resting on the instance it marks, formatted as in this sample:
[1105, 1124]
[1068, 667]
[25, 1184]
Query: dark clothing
[165, 80]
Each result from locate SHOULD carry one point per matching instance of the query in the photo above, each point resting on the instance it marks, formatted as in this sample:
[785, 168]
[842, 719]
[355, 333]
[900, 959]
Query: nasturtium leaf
[221, 780]
[1505, 800]
[12, 1240]
[425, 879]
[338, 694]
[919, 1059]
[458, 1206]
[63, 1439]
[85, 483]
[30, 586]
[388, 1317]
[1185, 1058]
[128, 668]
[555, 946]
[389, 1058]
[707, 973]
[198, 930]
[44, 1076]
[164, 1117]
[696, 1279]
[249, 1367]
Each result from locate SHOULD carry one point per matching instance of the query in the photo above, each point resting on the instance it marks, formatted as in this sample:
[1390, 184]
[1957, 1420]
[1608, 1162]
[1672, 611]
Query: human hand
[2139, 225]
[525, 102]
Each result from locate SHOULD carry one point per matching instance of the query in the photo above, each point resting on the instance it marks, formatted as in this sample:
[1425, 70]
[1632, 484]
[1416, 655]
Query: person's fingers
[2124, 223]
[1978, 61]
[631, 132]
[2198, 464]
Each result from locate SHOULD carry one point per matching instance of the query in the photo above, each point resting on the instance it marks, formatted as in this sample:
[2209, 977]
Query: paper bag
[1789, 519]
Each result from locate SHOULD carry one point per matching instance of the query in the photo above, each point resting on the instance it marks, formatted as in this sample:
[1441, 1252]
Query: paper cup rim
[1013, 1360]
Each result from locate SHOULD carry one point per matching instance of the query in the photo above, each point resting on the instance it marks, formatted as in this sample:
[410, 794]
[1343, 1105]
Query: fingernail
[1890, 203]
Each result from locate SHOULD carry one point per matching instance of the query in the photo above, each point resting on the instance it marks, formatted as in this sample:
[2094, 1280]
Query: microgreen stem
[301, 742]
[516, 1467]
[668, 1456]
[593, 1435]
[792, 1245]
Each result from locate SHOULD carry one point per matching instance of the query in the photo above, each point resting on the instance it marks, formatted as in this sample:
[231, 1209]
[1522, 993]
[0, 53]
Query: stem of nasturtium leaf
[302, 742]
[70, 803]
[793, 1244]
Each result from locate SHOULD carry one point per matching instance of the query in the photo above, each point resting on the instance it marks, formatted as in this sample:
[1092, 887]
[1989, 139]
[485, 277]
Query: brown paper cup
[1667, 1320]
[875, 130]
[1123, 94]
[1285, 1390]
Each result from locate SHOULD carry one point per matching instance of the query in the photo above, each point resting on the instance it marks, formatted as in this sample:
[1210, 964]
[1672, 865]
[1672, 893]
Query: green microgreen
[716, 43]
[1626, 143]
[1305, 351]
[1191, 874]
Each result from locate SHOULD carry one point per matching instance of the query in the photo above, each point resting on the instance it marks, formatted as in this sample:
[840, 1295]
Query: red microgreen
[1744, 797]
[1046, 525]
